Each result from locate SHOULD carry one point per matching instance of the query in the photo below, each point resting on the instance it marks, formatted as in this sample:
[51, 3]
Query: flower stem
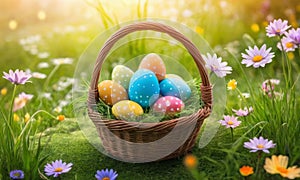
[50, 76]
[10, 117]
[258, 163]
[231, 130]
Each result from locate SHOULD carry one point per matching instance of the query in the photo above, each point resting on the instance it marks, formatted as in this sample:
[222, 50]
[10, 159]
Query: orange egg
[154, 63]
[111, 92]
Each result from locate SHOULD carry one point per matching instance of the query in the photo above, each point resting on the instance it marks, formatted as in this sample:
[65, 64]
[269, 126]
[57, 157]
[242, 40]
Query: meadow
[256, 103]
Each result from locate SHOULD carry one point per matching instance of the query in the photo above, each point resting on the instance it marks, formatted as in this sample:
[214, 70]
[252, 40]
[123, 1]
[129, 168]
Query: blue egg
[143, 88]
[175, 87]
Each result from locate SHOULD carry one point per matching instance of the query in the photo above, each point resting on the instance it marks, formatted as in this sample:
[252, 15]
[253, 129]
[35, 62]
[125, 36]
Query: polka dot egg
[143, 88]
[168, 105]
[127, 110]
[175, 87]
[154, 63]
[111, 92]
[122, 75]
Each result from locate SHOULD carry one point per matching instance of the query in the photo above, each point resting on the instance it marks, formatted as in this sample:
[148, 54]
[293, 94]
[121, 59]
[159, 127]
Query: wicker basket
[145, 142]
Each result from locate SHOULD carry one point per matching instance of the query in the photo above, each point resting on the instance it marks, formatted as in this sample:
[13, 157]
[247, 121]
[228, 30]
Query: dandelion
[257, 57]
[3, 91]
[278, 165]
[106, 174]
[230, 122]
[16, 174]
[259, 144]
[232, 84]
[60, 61]
[21, 101]
[277, 28]
[190, 161]
[57, 168]
[243, 112]
[216, 65]
[60, 117]
[246, 170]
[287, 43]
[269, 85]
[17, 77]
[255, 27]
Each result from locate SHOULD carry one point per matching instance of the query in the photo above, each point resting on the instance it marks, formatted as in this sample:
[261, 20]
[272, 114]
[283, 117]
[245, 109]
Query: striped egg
[154, 63]
[175, 87]
[143, 88]
[122, 75]
[111, 92]
[168, 105]
[127, 110]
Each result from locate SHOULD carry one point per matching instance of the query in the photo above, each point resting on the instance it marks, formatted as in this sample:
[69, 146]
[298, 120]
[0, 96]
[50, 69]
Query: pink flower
[287, 43]
[21, 101]
[216, 65]
[260, 144]
[257, 57]
[243, 112]
[294, 35]
[269, 85]
[17, 77]
[230, 122]
[277, 28]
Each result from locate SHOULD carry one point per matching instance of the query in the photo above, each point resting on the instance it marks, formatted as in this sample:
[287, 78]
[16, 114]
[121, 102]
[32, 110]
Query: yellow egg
[127, 110]
[154, 63]
[111, 92]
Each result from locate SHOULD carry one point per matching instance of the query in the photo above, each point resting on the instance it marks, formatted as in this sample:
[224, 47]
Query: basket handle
[206, 89]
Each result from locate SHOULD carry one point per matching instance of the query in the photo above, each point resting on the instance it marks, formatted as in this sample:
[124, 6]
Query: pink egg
[168, 105]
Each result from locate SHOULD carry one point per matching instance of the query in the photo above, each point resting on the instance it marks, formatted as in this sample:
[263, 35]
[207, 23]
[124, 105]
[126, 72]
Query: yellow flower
[26, 117]
[265, 23]
[199, 30]
[13, 24]
[246, 170]
[278, 165]
[255, 27]
[290, 55]
[190, 161]
[16, 117]
[60, 117]
[231, 85]
[3, 91]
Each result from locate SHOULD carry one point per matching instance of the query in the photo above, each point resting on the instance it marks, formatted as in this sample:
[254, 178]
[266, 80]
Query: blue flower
[106, 174]
[16, 174]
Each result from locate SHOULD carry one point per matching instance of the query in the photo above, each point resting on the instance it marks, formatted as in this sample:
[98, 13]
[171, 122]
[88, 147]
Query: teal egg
[175, 87]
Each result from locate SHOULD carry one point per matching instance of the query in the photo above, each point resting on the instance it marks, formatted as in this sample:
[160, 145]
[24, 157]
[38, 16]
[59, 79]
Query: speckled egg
[143, 88]
[175, 87]
[168, 105]
[154, 63]
[127, 110]
[122, 75]
[111, 92]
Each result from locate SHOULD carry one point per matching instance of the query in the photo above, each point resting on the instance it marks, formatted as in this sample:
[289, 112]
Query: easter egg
[111, 92]
[143, 88]
[127, 110]
[175, 87]
[154, 63]
[122, 75]
[168, 105]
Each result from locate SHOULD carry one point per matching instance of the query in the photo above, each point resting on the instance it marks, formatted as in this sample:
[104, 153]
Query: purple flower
[57, 167]
[230, 122]
[216, 65]
[294, 35]
[257, 57]
[287, 43]
[106, 174]
[17, 77]
[243, 112]
[260, 144]
[16, 174]
[277, 28]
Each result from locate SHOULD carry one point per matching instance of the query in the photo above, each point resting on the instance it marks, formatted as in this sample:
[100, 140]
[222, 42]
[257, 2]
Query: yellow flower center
[232, 84]
[289, 45]
[278, 30]
[105, 178]
[58, 169]
[17, 174]
[257, 58]
[282, 170]
[230, 122]
[260, 146]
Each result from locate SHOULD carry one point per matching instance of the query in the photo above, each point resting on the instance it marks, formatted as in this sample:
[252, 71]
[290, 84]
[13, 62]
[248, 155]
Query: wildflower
[291, 55]
[294, 36]
[278, 165]
[21, 101]
[39, 75]
[230, 122]
[243, 112]
[190, 161]
[16, 174]
[60, 117]
[16, 117]
[13, 24]
[216, 65]
[245, 95]
[287, 43]
[26, 118]
[277, 28]
[255, 27]
[58, 109]
[60, 61]
[199, 30]
[257, 57]
[17, 77]
[3, 91]
[43, 65]
[269, 85]
[246, 170]
[57, 168]
[231, 85]
[106, 174]
[260, 144]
